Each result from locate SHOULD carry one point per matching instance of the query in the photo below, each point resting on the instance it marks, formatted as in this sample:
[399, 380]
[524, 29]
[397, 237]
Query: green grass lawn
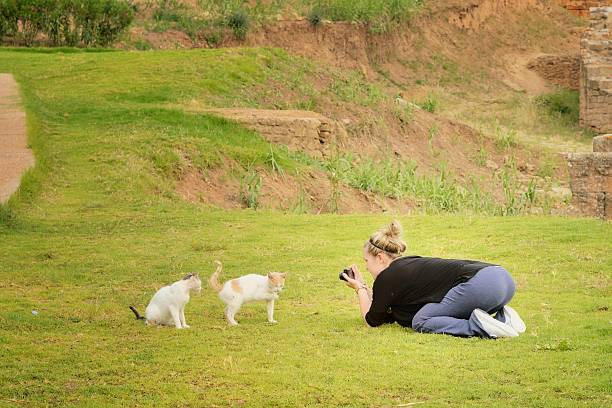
[97, 227]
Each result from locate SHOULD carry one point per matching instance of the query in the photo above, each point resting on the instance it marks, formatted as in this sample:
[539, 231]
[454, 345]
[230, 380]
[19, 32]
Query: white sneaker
[493, 327]
[514, 320]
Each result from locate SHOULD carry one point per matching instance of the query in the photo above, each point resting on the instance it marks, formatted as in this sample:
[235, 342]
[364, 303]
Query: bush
[238, 21]
[315, 16]
[430, 104]
[563, 104]
[65, 22]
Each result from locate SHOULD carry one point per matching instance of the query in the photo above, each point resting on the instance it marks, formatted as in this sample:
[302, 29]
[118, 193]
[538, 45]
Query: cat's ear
[270, 276]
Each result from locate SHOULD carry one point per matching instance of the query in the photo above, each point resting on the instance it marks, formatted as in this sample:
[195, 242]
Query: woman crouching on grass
[433, 295]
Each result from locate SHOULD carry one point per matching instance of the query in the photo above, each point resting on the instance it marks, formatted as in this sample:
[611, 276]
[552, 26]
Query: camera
[349, 272]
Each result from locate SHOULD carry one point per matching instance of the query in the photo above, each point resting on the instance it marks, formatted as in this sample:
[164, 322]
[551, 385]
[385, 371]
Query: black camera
[349, 272]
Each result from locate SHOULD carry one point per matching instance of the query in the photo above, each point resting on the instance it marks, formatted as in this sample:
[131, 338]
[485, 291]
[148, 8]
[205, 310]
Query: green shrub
[315, 16]
[250, 188]
[430, 104]
[238, 21]
[213, 39]
[505, 138]
[142, 45]
[65, 22]
[563, 104]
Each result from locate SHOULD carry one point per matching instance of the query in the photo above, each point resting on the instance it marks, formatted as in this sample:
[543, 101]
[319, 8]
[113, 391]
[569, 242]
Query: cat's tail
[214, 278]
[138, 316]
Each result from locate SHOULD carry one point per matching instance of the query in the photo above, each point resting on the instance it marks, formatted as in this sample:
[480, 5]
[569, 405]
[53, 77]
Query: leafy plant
[238, 21]
[301, 205]
[142, 45]
[272, 160]
[430, 104]
[505, 138]
[563, 104]
[250, 188]
[530, 194]
[431, 134]
[482, 156]
[315, 16]
[213, 39]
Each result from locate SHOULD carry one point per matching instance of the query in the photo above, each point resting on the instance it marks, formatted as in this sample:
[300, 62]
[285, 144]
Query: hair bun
[394, 230]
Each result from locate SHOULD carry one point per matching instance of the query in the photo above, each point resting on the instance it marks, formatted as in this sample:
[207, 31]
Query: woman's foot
[494, 328]
[513, 320]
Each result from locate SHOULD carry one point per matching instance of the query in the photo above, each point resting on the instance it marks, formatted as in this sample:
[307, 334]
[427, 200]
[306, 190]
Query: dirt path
[15, 156]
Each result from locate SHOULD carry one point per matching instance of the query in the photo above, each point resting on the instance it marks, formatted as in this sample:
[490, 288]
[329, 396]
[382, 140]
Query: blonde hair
[387, 240]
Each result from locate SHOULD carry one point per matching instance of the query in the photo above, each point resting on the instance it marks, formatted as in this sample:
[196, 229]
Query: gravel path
[15, 156]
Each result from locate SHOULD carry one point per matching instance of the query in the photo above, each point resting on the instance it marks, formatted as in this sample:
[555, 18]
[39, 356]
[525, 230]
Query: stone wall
[562, 70]
[581, 7]
[596, 72]
[298, 130]
[591, 179]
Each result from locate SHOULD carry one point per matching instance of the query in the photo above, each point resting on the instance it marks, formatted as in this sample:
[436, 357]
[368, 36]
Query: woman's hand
[357, 282]
[358, 275]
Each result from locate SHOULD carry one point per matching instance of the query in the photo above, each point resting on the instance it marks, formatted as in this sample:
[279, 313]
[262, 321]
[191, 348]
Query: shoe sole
[514, 320]
[493, 327]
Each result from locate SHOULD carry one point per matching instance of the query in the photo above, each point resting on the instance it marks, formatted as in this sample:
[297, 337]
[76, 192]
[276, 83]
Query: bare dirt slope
[479, 48]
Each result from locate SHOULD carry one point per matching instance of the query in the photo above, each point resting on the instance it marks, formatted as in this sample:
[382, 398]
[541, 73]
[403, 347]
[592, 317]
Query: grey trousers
[490, 290]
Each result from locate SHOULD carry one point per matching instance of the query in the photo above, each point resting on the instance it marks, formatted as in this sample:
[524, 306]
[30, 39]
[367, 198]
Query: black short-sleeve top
[411, 282]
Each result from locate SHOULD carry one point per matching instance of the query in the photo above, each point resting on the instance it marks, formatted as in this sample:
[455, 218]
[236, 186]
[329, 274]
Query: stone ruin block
[591, 182]
[581, 7]
[602, 143]
[299, 130]
[596, 72]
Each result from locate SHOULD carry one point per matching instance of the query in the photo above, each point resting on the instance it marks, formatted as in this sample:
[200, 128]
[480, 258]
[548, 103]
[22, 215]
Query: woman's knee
[508, 286]
[418, 321]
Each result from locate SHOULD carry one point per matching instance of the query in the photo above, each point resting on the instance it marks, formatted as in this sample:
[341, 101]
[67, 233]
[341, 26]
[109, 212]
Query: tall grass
[399, 179]
[352, 86]
[380, 15]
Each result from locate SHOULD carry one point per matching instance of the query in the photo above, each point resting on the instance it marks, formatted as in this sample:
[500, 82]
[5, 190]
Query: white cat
[167, 306]
[247, 288]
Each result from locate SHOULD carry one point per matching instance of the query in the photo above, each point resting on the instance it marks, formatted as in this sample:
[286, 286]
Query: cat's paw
[186, 326]
[233, 323]
[272, 321]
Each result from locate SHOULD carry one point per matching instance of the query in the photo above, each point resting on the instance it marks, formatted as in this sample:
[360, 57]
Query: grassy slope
[95, 228]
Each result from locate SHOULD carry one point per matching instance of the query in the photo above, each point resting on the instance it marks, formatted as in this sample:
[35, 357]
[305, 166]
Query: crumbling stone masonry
[596, 72]
[299, 130]
[591, 179]
[581, 7]
[561, 70]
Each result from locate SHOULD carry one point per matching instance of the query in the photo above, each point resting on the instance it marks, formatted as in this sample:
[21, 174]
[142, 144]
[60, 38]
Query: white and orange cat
[249, 288]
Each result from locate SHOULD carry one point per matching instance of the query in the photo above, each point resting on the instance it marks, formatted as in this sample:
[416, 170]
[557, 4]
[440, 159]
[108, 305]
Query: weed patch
[562, 105]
